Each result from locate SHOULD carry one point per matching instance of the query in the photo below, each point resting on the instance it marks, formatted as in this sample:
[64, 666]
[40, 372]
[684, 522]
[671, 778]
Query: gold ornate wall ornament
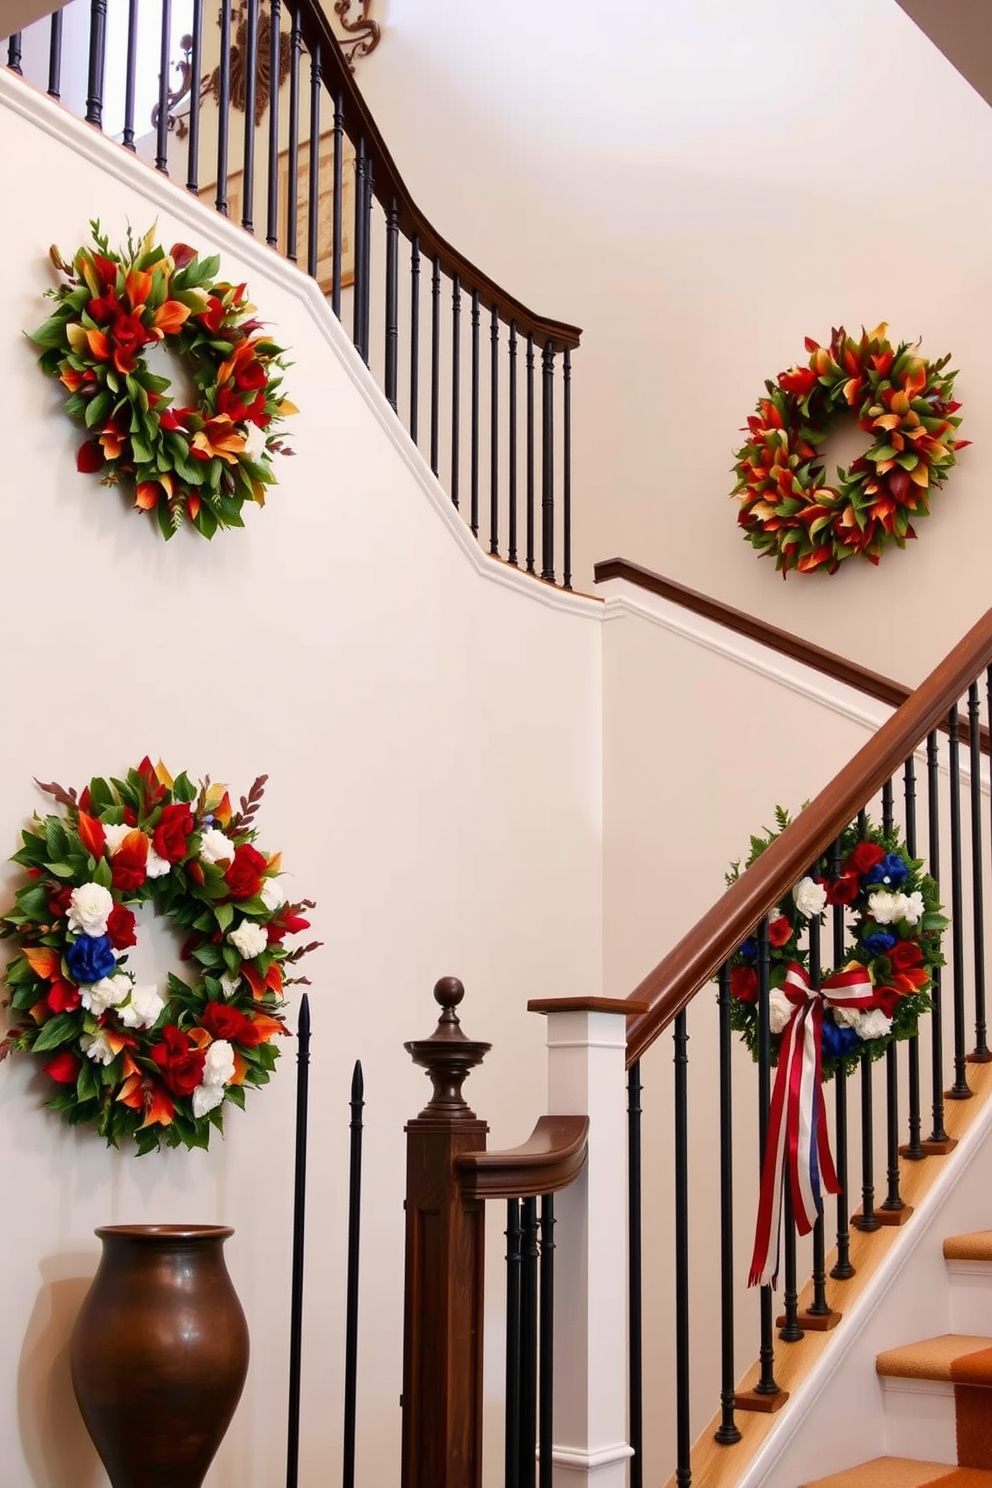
[361, 34]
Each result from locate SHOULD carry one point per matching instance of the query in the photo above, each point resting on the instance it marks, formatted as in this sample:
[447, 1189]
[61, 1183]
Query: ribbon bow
[797, 1127]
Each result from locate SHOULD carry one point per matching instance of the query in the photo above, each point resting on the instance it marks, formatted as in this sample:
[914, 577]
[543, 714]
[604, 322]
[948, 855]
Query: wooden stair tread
[904, 1472]
[957, 1358]
[974, 1247]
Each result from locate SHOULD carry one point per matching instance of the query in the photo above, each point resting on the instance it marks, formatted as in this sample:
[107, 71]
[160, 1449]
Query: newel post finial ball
[448, 1056]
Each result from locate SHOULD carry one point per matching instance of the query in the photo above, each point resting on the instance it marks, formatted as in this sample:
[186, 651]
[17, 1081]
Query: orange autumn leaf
[91, 834]
[43, 961]
[170, 316]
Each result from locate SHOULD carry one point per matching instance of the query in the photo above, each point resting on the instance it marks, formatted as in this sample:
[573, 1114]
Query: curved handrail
[552, 1157]
[674, 981]
[388, 186]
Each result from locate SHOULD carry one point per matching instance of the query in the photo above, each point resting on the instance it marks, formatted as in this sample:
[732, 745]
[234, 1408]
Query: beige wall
[433, 747]
[700, 186]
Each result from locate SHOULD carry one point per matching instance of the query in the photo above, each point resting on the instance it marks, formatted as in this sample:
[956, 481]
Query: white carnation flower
[214, 846]
[872, 1024]
[96, 1047]
[156, 867]
[205, 1097]
[115, 832]
[810, 897]
[144, 1008]
[229, 984]
[249, 939]
[272, 894]
[108, 992]
[847, 1017]
[89, 909]
[912, 911]
[780, 1009]
[218, 1066]
[885, 908]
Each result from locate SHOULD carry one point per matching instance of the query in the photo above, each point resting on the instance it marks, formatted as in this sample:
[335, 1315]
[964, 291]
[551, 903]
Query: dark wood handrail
[552, 1157]
[872, 684]
[388, 186]
[697, 957]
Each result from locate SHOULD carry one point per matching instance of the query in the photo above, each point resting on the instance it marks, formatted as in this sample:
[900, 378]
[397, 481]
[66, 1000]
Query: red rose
[63, 997]
[244, 872]
[171, 837]
[224, 1022]
[887, 999]
[251, 375]
[744, 983]
[904, 955]
[843, 890]
[180, 1063]
[228, 402]
[63, 1067]
[127, 866]
[120, 928]
[864, 857]
[129, 336]
[779, 931]
[59, 901]
[213, 316]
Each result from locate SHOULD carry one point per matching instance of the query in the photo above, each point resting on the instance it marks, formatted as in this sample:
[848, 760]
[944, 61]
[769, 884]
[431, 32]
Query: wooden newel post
[442, 1331]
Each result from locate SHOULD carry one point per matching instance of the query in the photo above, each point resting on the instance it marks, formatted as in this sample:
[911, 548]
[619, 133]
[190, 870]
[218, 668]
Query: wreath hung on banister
[788, 508]
[197, 464]
[821, 1021]
[161, 1061]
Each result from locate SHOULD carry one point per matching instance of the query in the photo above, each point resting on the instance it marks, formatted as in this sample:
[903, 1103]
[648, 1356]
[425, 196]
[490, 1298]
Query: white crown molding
[165, 195]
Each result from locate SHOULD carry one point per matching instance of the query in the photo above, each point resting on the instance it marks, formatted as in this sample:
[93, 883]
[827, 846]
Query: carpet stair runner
[940, 1389]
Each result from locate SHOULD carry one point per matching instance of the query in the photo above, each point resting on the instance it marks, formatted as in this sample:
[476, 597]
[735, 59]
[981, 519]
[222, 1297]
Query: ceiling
[962, 29]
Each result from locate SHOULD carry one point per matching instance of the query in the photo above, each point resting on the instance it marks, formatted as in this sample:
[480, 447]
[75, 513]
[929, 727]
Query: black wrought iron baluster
[195, 63]
[683, 1435]
[473, 520]
[767, 1385]
[819, 1313]
[511, 1453]
[842, 1269]
[299, 1231]
[292, 173]
[164, 64]
[224, 109]
[55, 56]
[867, 1219]
[14, 53]
[251, 89]
[365, 283]
[392, 347]
[130, 79]
[530, 454]
[727, 1432]
[511, 555]
[892, 1208]
[414, 336]
[456, 379]
[528, 1344]
[960, 1090]
[635, 1329]
[337, 200]
[938, 1140]
[354, 1250]
[435, 362]
[96, 62]
[494, 432]
[981, 1054]
[914, 1148]
[546, 1376]
[566, 472]
[272, 194]
[788, 1324]
[888, 807]
[548, 464]
[313, 184]
[360, 229]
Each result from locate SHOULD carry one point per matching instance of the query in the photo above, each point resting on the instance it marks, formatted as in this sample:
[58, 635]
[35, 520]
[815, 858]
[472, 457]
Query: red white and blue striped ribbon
[797, 1129]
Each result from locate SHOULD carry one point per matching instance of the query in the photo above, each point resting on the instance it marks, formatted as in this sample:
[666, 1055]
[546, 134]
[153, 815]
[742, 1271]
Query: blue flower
[838, 1041]
[891, 870]
[89, 958]
[749, 949]
[879, 943]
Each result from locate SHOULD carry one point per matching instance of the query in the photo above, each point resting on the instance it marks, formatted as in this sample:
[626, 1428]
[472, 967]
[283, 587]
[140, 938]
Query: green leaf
[224, 915]
[61, 1029]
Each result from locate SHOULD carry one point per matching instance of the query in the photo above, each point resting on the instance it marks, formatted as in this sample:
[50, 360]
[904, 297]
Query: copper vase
[159, 1353]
